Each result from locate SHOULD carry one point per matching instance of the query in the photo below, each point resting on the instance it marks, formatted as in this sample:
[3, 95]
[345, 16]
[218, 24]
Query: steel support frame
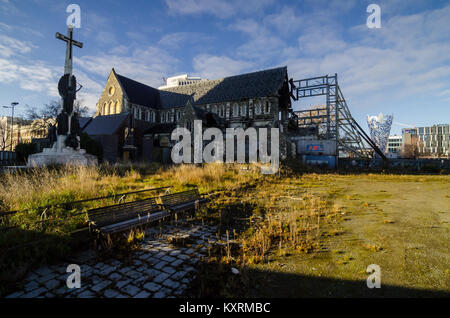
[335, 120]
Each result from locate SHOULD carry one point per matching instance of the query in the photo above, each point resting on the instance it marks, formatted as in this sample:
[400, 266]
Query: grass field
[400, 223]
[296, 234]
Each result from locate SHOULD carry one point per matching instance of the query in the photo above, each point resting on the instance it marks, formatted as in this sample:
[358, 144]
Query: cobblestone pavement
[158, 269]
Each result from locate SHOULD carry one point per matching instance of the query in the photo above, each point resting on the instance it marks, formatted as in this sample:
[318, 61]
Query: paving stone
[35, 293]
[43, 271]
[168, 259]
[63, 290]
[160, 265]
[162, 293]
[152, 287]
[160, 255]
[106, 270]
[183, 256]
[189, 269]
[153, 260]
[122, 283]
[101, 286]
[161, 277]
[115, 276]
[189, 251]
[109, 293]
[174, 253]
[143, 294]
[168, 270]
[100, 265]
[49, 295]
[87, 294]
[171, 284]
[31, 286]
[153, 272]
[124, 270]
[94, 279]
[137, 263]
[177, 262]
[134, 274]
[15, 295]
[142, 269]
[31, 276]
[116, 263]
[59, 269]
[131, 290]
[179, 275]
[52, 284]
[46, 278]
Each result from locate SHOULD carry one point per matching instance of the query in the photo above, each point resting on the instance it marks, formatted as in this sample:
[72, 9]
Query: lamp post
[13, 105]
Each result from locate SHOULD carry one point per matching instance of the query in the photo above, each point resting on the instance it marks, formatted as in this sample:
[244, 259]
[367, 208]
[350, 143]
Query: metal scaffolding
[334, 121]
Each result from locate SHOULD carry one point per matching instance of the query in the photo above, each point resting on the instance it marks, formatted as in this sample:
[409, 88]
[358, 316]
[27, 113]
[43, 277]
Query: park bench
[125, 216]
[182, 201]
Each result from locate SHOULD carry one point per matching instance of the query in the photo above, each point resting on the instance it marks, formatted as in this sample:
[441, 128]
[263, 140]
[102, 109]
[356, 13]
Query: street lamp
[13, 105]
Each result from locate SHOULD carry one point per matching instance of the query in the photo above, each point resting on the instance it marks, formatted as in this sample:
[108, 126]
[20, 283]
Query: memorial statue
[65, 137]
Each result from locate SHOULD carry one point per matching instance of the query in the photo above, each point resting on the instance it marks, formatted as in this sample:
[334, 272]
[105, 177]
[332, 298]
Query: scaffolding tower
[334, 121]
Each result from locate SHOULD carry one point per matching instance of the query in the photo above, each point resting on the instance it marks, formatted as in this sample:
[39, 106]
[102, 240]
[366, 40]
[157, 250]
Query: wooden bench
[182, 201]
[125, 216]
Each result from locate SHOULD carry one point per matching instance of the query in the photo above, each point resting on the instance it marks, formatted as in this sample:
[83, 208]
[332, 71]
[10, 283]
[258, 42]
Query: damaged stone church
[134, 121]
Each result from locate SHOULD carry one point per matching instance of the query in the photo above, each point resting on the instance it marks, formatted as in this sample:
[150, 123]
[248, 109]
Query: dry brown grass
[21, 190]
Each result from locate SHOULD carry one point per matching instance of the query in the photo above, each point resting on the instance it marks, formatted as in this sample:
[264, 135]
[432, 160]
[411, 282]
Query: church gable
[111, 101]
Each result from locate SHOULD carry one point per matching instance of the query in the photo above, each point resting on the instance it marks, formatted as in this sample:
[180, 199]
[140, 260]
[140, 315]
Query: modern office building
[394, 146]
[434, 141]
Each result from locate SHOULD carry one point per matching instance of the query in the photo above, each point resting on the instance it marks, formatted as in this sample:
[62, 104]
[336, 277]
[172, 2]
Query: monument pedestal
[61, 155]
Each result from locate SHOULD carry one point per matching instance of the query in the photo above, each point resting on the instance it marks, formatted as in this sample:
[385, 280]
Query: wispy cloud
[214, 67]
[217, 8]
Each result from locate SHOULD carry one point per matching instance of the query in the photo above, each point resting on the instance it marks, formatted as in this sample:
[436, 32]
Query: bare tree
[410, 151]
[5, 137]
[44, 117]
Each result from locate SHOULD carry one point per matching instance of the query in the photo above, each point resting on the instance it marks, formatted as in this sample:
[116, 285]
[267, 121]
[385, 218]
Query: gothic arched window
[243, 110]
[258, 107]
[236, 110]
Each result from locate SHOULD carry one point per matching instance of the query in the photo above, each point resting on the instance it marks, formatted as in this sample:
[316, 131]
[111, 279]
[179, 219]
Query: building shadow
[215, 280]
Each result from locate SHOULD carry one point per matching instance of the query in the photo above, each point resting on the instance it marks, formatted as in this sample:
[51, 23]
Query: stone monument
[66, 137]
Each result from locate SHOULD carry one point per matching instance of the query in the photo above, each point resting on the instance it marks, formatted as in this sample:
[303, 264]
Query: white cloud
[10, 46]
[215, 67]
[178, 39]
[218, 8]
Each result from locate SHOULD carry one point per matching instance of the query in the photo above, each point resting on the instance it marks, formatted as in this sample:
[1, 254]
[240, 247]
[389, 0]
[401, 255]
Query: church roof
[234, 88]
[172, 100]
[138, 93]
[105, 125]
[251, 85]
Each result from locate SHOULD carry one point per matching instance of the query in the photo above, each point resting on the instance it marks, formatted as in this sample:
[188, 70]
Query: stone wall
[111, 100]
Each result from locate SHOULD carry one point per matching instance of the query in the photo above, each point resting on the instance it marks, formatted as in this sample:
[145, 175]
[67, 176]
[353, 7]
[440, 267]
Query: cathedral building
[134, 121]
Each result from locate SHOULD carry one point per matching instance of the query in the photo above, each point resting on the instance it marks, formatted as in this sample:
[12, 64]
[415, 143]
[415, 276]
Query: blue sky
[401, 69]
